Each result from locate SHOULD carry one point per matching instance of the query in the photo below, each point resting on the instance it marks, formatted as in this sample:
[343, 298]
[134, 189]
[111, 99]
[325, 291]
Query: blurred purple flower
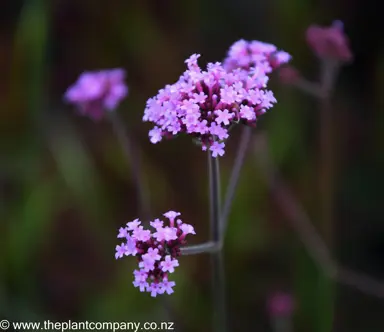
[280, 304]
[205, 104]
[255, 54]
[98, 91]
[329, 42]
[156, 252]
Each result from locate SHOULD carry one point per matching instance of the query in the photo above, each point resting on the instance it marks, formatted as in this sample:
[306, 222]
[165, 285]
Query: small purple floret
[169, 264]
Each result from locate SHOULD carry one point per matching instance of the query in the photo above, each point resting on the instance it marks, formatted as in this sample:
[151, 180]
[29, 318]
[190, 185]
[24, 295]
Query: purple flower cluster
[330, 42]
[250, 54]
[205, 104]
[157, 252]
[95, 92]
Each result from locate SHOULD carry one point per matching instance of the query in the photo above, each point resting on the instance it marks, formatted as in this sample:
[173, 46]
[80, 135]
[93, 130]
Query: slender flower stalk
[207, 247]
[234, 179]
[213, 246]
[331, 46]
[291, 76]
[219, 292]
[282, 324]
[214, 195]
[217, 259]
[132, 154]
[307, 232]
[329, 73]
[97, 94]
[247, 57]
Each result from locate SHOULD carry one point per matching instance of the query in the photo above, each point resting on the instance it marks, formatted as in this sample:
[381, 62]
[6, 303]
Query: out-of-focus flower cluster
[95, 92]
[329, 42]
[280, 304]
[157, 251]
[250, 54]
[206, 103]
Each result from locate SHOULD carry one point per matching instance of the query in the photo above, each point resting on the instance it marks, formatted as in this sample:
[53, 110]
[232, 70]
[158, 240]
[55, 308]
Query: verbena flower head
[329, 42]
[98, 91]
[250, 54]
[205, 104]
[156, 250]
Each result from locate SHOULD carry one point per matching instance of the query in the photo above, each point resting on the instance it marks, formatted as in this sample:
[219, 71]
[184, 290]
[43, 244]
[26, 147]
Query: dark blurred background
[65, 186]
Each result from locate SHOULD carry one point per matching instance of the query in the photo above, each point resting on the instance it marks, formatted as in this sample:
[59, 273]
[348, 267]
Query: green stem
[200, 248]
[282, 324]
[214, 197]
[234, 179]
[325, 286]
[327, 150]
[217, 259]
